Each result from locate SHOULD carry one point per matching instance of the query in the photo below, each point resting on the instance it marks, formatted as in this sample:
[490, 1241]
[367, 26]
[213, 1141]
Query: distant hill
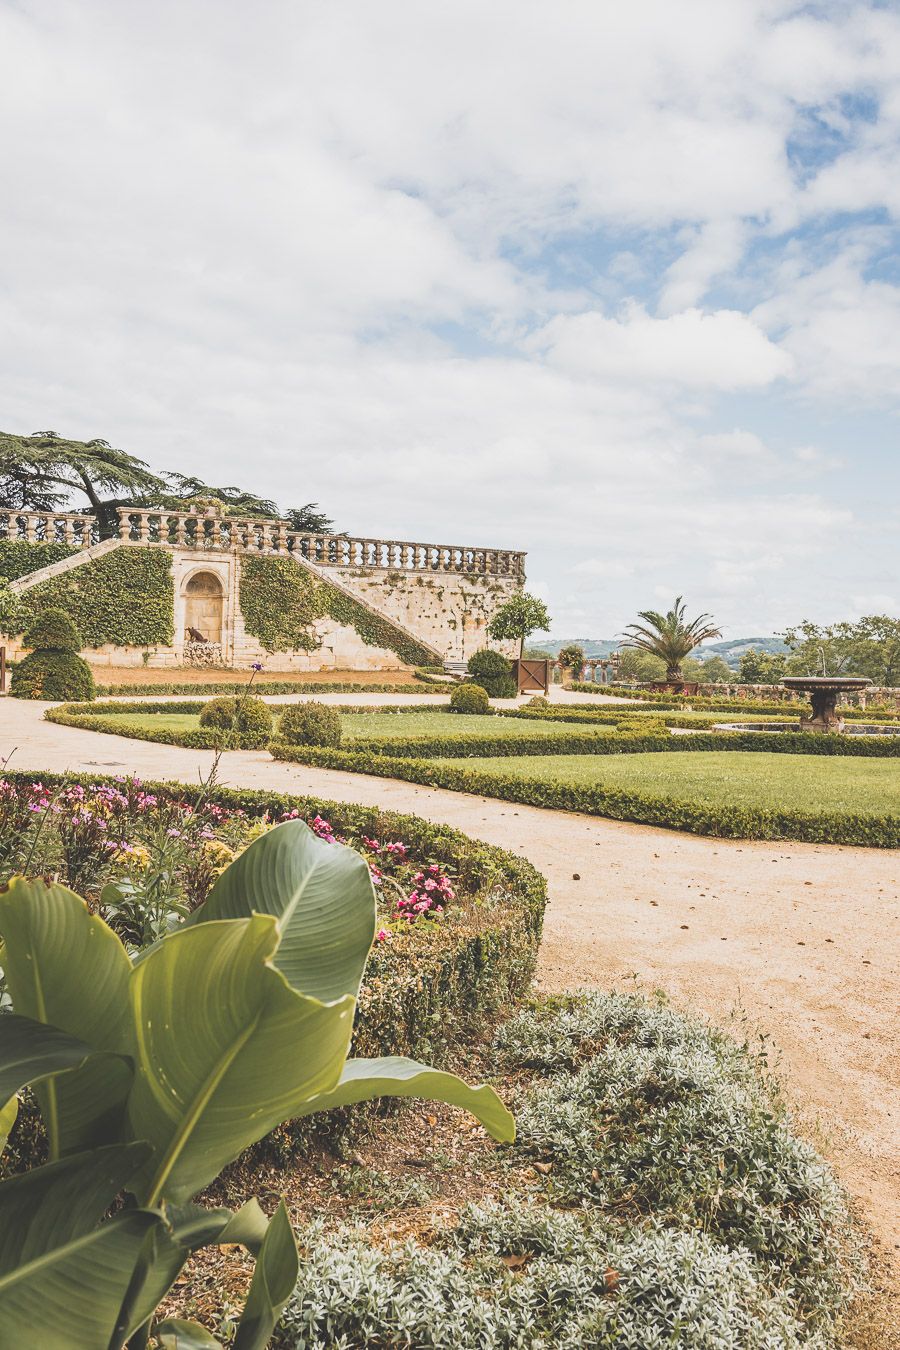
[730, 652]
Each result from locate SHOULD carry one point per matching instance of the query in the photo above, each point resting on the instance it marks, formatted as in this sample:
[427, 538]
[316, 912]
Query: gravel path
[798, 942]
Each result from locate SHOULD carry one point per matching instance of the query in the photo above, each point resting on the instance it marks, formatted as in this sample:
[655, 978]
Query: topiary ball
[53, 631]
[470, 699]
[219, 713]
[310, 724]
[58, 676]
[253, 717]
[493, 672]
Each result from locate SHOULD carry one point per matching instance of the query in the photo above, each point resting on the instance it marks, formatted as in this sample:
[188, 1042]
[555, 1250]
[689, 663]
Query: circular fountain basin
[826, 684]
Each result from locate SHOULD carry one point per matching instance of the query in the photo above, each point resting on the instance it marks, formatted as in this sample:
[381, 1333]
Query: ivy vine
[124, 598]
[18, 557]
[280, 602]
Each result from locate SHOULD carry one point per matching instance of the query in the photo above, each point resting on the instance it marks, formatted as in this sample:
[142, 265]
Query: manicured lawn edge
[726, 822]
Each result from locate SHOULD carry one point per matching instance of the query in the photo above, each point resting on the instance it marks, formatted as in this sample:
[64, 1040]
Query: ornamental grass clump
[470, 699]
[310, 724]
[53, 668]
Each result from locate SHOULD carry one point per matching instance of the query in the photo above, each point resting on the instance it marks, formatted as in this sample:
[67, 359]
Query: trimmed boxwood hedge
[478, 960]
[702, 702]
[198, 687]
[96, 717]
[727, 822]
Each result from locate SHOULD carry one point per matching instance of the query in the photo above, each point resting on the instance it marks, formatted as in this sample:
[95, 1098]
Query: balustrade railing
[253, 535]
[48, 527]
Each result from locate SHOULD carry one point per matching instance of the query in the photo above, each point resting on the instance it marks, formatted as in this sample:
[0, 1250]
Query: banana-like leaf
[196, 1227]
[8, 1115]
[166, 1248]
[175, 1334]
[320, 893]
[30, 1051]
[224, 1051]
[363, 1079]
[64, 966]
[272, 1285]
[62, 1278]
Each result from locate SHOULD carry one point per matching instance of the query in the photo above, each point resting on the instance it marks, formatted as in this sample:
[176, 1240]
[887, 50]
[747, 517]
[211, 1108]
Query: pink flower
[383, 935]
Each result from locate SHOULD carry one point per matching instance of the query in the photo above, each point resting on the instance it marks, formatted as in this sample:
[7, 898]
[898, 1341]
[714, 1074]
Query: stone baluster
[143, 527]
[30, 528]
[281, 542]
[266, 537]
[124, 523]
[180, 529]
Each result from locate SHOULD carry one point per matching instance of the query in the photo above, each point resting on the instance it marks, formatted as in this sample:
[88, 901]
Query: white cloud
[723, 350]
[447, 268]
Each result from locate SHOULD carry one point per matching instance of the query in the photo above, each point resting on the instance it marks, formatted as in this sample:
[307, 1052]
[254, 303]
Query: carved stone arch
[204, 605]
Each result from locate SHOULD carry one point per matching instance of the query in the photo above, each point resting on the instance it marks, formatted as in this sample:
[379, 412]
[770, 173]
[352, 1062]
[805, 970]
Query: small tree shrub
[53, 670]
[571, 658]
[470, 699]
[494, 673]
[247, 715]
[310, 724]
[53, 631]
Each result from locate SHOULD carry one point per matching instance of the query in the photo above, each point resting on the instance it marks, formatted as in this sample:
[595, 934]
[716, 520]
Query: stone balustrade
[48, 527]
[255, 535]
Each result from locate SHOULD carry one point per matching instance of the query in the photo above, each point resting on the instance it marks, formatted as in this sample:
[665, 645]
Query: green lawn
[715, 778]
[357, 726]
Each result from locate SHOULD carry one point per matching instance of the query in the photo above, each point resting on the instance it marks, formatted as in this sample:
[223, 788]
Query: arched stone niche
[204, 606]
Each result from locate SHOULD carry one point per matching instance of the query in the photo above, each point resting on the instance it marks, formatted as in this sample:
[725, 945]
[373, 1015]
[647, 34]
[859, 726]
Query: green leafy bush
[52, 675]
[54, 631]
[53, 670]
[493, 672]
[244, 714]
[135, 1100]
[19, 557]
[310, 724]
[470, 699]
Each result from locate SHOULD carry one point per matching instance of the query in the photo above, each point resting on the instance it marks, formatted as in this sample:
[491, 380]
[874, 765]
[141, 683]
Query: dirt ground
[212, 675]
[799, 943]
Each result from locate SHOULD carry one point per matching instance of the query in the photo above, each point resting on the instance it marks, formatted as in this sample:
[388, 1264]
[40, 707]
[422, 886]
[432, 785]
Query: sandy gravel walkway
[796, 941]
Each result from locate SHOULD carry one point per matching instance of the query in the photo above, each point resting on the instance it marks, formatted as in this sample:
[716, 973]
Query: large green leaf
[8, 1115]
[30, 1051]
[320, 893]
[176, 1334]
[62, 1278]
[272, 1285]
[64, 966]
[363, 1079]
[187, 1228]
[224, 1050]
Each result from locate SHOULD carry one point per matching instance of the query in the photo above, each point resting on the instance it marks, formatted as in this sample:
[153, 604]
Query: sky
[616, 284]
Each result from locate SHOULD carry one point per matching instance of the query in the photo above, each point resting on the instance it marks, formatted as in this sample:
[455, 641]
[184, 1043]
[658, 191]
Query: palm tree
[669, 637]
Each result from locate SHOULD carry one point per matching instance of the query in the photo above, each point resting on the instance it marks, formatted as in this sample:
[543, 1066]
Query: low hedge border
[613, 715]
[264, 687]
[478, 960]
[90, 717]
[701, 702]
[725, 822]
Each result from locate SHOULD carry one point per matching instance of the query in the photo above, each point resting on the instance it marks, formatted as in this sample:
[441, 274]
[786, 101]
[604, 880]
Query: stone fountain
[823, 691]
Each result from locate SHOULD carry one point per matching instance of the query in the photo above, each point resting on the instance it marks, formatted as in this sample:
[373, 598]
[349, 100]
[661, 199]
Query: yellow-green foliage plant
[153, 1076]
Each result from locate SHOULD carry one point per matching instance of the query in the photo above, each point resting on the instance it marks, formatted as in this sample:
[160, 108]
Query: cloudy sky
[614, 283]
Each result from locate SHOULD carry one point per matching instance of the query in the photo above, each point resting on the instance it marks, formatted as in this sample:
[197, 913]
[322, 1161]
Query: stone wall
[449, 612]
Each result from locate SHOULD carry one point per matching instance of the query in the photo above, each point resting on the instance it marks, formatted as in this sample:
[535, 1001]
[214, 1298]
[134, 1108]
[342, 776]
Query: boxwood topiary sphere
[61, 676]
[310, 724]
[219, 713]
[53, 631]
[245, 714]
[470, 699]
[493, 672]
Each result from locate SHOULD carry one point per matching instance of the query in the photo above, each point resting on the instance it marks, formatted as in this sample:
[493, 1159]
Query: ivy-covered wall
[125, 598]
[281, 602]
[18, 557]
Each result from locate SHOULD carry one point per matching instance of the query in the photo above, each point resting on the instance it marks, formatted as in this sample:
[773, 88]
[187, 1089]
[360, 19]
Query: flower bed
[145, 854]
